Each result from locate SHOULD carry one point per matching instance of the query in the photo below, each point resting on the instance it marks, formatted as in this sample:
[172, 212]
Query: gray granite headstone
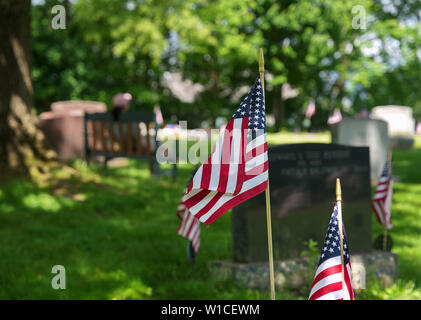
[302, 191]
[365, 132]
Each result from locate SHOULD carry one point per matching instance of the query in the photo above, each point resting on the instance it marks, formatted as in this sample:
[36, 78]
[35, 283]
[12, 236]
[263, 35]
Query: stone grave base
[297, 273]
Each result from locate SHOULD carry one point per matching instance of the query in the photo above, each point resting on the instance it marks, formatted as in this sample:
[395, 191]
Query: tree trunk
[21, 140]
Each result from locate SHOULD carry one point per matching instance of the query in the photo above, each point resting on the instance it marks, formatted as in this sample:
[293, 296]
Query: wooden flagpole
[267, 193]
[341, 238]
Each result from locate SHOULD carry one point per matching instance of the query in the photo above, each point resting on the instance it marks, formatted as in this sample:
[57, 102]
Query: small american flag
[382, 199]
[237, 168]
[189, 225]
[327, 284]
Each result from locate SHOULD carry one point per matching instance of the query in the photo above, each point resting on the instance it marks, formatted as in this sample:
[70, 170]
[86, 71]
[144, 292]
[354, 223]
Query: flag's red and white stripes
[235, 172]
[328, 285]
[237, 168]
[222, 171]
[189, 226]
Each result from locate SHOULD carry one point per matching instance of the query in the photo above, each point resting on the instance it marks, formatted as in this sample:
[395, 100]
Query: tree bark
[21, 140]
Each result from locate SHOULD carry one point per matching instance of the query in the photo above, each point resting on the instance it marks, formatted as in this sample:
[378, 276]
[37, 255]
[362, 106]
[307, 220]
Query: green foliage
[102, 53]
[312, 254]
[401, 290]
[112, 46]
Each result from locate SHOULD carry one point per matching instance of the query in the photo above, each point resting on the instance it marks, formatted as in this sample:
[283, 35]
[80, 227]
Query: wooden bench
[132, 135]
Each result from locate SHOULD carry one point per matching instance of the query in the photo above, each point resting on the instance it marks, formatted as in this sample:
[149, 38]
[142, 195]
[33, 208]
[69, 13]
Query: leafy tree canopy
[112, 46]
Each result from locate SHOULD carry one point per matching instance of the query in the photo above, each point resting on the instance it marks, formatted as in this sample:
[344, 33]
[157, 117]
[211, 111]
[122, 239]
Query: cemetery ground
[114, 231]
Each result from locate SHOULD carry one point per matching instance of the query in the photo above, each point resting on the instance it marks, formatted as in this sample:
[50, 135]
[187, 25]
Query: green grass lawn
[114, 232]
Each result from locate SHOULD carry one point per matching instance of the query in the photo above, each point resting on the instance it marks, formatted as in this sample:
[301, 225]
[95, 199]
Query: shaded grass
[114, 232]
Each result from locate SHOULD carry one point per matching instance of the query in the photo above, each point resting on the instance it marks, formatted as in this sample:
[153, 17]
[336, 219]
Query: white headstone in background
[365, 132]
[401, 124]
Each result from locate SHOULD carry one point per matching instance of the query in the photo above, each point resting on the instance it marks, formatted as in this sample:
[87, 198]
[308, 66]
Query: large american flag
[189, 225]
[237, 168]
[382, 199]
[327, 284]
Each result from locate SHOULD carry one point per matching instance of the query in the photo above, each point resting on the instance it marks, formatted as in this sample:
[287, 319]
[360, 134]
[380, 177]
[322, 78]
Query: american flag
[237, 168]
[382, 199]
[327, 284]
[189, 225]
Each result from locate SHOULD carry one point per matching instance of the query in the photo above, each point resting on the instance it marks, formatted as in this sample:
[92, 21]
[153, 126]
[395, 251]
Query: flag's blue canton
[253, 107]
[332, 246]
[385, 172]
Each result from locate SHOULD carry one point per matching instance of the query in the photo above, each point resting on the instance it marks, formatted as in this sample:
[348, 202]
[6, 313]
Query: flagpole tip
[261, 61]
[338, 190]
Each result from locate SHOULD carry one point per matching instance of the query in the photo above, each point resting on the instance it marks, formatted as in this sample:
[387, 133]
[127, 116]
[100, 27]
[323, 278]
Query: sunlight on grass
[42, 201]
